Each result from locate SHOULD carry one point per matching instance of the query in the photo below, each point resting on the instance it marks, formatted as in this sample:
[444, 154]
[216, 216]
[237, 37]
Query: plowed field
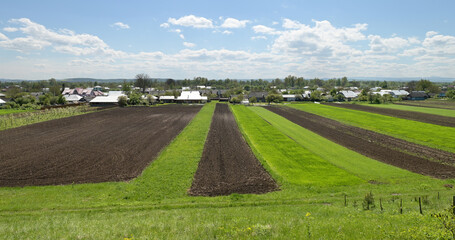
[393, 151]
[228, 165]
[112, 145]
[416, 116]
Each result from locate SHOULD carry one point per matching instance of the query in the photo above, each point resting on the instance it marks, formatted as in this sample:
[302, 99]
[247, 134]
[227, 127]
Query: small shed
[2, 102]
[289, 97]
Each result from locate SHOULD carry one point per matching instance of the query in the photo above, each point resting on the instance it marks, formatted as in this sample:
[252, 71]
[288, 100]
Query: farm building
[191, 97]
[289, 97]
[2, 102]
[417, 95]
[260, 96]
[349, 95]
[111, 98]
[84, 92]
[306, 95]
[167, 99]
[73, 98]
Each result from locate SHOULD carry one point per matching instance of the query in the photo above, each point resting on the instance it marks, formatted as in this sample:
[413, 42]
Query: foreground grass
[23, 117]
[156, 206]
[418, 132]
[351, 161]
[285, 158]
[435, 111]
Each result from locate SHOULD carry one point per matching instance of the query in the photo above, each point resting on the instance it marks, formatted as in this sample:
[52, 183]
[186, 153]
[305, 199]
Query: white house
[111, 98]
[191, 97]
[2, 102]
[167, 99]
[73, 98]
[349, 95]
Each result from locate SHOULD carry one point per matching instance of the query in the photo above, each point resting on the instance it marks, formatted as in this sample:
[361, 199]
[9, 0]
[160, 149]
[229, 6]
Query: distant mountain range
[406, 79]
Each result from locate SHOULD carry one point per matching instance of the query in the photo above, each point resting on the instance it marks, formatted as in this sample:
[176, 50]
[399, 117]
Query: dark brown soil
[416, 116]
[390, 150]
[111, 145]
[228, 165]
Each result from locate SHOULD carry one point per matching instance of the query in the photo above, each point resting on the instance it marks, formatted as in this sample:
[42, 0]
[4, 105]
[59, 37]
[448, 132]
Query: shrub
[122, 101]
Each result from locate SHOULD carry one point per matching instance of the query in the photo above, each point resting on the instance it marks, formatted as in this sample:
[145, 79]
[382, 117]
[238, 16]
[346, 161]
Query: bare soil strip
[416, 116]
[390, 150]
[228, 165]
[111, 145]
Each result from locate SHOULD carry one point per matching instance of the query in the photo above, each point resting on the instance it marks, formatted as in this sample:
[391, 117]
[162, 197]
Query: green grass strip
[435, 111]
[418, 132]
[351, 161]
[284, 157]
[171, 174]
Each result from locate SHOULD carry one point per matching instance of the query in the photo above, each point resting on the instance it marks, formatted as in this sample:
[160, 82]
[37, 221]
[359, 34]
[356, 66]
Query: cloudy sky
[226, 39]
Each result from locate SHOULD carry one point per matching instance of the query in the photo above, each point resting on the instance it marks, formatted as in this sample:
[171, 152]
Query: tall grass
[20, 119]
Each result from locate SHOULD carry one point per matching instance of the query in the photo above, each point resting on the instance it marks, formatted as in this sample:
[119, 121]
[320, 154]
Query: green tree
[135, 98]
[253, 100]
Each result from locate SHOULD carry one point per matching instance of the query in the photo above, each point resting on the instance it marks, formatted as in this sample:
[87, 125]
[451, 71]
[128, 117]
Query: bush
[122, 101]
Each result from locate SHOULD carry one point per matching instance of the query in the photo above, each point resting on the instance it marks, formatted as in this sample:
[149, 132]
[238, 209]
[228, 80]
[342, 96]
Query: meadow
[311, 204]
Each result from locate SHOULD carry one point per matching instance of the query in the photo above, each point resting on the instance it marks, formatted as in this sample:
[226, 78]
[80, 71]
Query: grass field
[435, 111]
[156, 206]
[440, 103]
[422, 133]
[353, 162]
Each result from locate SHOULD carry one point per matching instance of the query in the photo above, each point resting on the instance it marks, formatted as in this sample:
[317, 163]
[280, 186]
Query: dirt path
[228, 165]
[390, 150]
[416, 116]
[111, 145]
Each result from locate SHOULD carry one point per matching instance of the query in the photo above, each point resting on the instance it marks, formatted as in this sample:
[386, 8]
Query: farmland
[411, 108]
[315, 175]
[448, 121]
[227, 165]
[443, 104]
[417, 132]
[126, 152]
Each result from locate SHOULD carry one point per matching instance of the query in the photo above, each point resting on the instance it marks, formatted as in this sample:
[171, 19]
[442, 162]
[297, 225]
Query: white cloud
[3, 37]
[234, 23]
[322, 40]
[192, 21]
[181, 36]
[386, 45]
[290, 24]
[10, 29]
[165, 25]
[227, 32]
[431, 33]
[275, 23]
[38, 37]
[120, 25]
[175, 30]
[259, 37]
[265, 30]
[188, 44]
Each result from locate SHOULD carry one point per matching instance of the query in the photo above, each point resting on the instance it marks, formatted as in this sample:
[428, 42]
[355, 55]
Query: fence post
[401, 206]
[420, 206]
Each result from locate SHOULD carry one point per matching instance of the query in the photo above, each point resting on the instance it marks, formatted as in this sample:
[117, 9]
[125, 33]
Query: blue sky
[226, 39]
